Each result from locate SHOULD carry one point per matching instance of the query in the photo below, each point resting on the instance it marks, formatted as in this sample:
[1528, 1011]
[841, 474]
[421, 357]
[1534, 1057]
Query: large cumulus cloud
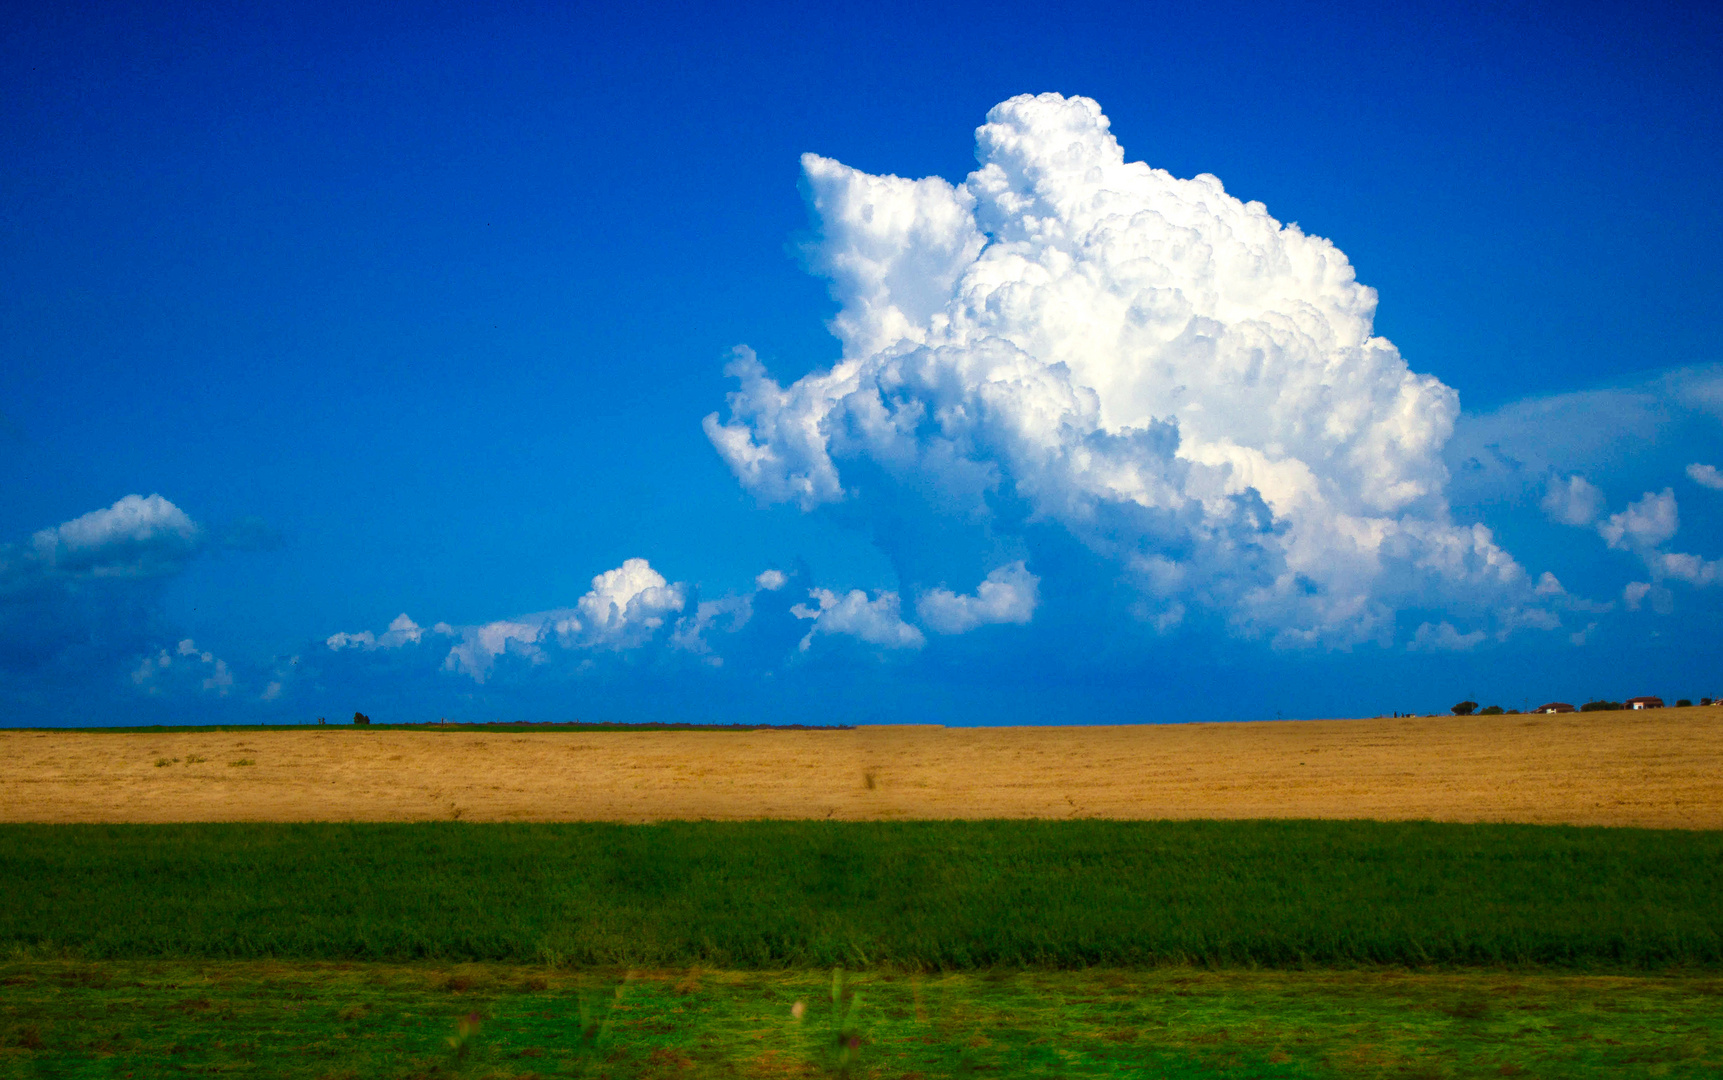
[1190, 389]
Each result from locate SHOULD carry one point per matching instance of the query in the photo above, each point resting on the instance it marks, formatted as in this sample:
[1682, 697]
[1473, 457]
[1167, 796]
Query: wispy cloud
[1007, 595]
[1705, 476]
[1442, 637]
[876, 620]
[184, 667]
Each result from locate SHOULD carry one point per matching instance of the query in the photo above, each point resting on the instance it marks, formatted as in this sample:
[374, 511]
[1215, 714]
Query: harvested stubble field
[1654, 769]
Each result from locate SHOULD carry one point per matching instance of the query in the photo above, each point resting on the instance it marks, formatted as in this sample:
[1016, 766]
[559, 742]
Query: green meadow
[340, 1021]
[940, 896]
[1025, 948]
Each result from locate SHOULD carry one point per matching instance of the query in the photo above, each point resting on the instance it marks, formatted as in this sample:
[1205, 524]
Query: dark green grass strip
[942, 895]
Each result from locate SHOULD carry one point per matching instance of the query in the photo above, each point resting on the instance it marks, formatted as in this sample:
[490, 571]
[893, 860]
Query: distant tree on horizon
[1466, 708]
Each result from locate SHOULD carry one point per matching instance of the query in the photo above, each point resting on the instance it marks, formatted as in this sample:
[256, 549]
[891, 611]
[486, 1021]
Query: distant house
[1644, 703]
[1554, 706]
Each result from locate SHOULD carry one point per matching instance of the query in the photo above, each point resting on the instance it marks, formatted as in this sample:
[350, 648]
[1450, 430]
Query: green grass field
[922, 895]
[327, 1021]
[1086, 948]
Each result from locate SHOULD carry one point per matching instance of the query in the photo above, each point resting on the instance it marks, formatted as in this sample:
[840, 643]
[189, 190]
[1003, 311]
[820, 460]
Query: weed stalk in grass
[594, 1032]
[466, 1031]
[844, 1041]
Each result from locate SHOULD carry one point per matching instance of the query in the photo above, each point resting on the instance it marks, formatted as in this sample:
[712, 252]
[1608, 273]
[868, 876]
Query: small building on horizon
[1644, 703]
[1554, 707]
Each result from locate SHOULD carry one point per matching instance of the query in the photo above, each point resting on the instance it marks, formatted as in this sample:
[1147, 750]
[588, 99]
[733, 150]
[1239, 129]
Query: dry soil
[1659, 768]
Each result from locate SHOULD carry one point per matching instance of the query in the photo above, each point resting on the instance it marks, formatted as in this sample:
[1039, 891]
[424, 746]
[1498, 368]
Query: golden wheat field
[1659, 768]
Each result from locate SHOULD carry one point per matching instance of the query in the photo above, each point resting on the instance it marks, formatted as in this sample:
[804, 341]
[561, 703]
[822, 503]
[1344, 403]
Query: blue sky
[423, 313]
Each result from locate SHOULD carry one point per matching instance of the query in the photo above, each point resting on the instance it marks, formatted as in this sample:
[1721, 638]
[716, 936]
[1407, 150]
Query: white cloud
[1574, 501]
[1008, 595]
[1649, 523]
[729, 614]
[220, 679]
[1637, 591]
[186, 666]
[1690, 568]
[1529, 617]
[877, 621]
[625, 608]
[1643, 528]
[480, 646]
[1548, 585]
[137, 537]
[145, 672]
[1697, 388]
[402, 632]
[1149, 362]
[726, 614]
[339, 640]
[1443, 638]
[1517, 446]
[89, 590]
[1705, 476]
